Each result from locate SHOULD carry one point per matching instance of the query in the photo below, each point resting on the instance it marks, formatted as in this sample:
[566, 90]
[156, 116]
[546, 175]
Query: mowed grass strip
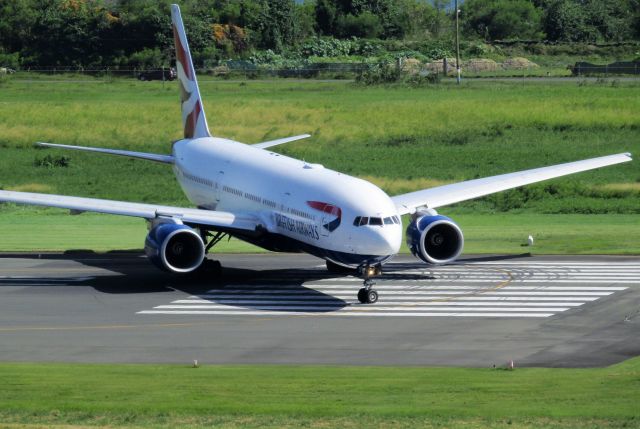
[27, 229]
[319, 396]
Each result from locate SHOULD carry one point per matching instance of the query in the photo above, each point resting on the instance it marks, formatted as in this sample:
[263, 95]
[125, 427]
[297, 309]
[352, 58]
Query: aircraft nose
[387, 240]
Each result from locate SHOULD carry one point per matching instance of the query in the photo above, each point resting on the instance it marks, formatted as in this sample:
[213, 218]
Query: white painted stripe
[419, 292]
[552, 264]
[497, 268]
[515, 279]
[47, 280]
[488, 271]
[331, 288]
[545, 275]
[511, 286]
[386, 301]
[440, 297]
[339, 314]
[374, 308]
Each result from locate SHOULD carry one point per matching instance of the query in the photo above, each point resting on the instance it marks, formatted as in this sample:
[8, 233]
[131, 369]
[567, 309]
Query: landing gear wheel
[367, 296]
[372, 296]
[362, 296]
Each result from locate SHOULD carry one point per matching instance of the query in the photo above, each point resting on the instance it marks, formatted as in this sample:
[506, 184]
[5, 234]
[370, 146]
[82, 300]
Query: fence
[617, 68]
[246, 70]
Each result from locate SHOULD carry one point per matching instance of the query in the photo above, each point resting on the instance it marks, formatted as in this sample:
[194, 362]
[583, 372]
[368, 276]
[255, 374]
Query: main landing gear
[209, 267]
[368, 295]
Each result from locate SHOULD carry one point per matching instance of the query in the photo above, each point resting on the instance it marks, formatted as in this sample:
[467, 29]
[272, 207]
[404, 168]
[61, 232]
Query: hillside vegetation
[96, 34]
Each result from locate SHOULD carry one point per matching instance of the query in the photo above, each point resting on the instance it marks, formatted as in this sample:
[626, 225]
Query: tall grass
[399, 137]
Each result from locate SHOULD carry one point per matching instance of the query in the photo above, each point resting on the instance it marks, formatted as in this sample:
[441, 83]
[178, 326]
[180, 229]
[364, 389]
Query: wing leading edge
[167, 159]
[462, 191]
[270, 143]
[210, 218]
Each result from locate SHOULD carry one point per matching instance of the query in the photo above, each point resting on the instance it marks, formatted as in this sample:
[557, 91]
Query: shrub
[52, 162]
[380, 73]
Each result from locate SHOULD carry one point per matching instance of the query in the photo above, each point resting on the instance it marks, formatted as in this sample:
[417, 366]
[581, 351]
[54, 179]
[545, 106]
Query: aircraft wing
[462, 191]
[270, 143]
[167, 159]
[216, 219]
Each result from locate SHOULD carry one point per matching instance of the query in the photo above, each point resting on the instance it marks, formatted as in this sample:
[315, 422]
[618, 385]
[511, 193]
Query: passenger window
[388, 221]
[356, 221]
[375, 221]
[364, 220]
[396, 220]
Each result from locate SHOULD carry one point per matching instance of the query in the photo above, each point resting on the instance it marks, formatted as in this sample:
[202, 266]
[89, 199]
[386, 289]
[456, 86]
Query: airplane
[284, 204]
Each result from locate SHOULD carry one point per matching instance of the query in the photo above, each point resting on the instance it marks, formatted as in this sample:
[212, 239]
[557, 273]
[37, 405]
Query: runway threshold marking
[519, 290]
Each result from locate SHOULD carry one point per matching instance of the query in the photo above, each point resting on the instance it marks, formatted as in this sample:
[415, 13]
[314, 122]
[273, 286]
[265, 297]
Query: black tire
[372, 296]
[339, 269]
[362, 296]
[209, 269]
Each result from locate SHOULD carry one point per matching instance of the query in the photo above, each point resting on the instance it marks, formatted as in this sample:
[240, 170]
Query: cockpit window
[375, 221]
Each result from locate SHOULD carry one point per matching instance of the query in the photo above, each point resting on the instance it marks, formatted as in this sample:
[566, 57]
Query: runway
[537, 311]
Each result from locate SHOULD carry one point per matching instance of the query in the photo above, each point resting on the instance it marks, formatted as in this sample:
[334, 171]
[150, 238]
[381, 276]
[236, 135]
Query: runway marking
[340, 314]
[98, 327]
[504, 290]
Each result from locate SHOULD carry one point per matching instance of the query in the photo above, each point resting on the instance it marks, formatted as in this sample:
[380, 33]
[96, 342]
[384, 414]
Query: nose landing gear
[368, 295]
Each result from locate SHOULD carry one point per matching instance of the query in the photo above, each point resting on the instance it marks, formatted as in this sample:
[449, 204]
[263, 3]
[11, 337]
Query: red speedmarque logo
[330, 210]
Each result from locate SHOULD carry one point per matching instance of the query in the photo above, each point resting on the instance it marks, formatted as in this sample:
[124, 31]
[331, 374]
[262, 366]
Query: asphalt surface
[270, 308]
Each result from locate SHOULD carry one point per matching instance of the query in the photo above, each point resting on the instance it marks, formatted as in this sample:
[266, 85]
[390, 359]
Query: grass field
[400, 138]
[26, 229]
[318, 397]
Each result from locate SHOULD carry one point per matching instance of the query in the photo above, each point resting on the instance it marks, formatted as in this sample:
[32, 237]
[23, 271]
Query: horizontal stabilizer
[167, 159]
[270, 143]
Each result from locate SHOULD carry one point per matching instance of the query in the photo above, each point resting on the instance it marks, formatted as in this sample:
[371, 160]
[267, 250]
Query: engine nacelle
[435, 239]
[174, 247]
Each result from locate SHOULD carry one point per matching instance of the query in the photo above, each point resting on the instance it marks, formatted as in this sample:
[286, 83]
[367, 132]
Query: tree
[502, 19]
[366, 25]
[305, 19]
[326, 13]
[566, 21]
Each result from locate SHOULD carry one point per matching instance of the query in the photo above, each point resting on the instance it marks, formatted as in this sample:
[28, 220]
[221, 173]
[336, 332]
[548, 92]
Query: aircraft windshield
[376, 221]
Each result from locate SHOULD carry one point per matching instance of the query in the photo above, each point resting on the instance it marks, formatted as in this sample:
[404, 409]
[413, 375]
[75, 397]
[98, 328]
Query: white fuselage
[301, 206]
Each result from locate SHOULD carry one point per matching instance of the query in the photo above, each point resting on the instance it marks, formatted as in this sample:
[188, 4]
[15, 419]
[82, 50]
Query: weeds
[52, 161]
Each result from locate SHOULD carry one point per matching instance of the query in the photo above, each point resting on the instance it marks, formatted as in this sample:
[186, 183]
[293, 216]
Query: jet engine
[174, 247]
[434, 238]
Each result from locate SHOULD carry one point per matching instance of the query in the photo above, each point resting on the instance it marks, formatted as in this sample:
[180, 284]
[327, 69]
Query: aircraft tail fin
[193, 118]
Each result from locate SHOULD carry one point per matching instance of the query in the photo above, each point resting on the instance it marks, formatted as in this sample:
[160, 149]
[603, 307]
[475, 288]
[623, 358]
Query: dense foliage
[136, 33]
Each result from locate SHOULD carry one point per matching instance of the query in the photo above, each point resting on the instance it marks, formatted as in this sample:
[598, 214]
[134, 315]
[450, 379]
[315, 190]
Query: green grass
[403, 138]
[28, 229]
[319, 397]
